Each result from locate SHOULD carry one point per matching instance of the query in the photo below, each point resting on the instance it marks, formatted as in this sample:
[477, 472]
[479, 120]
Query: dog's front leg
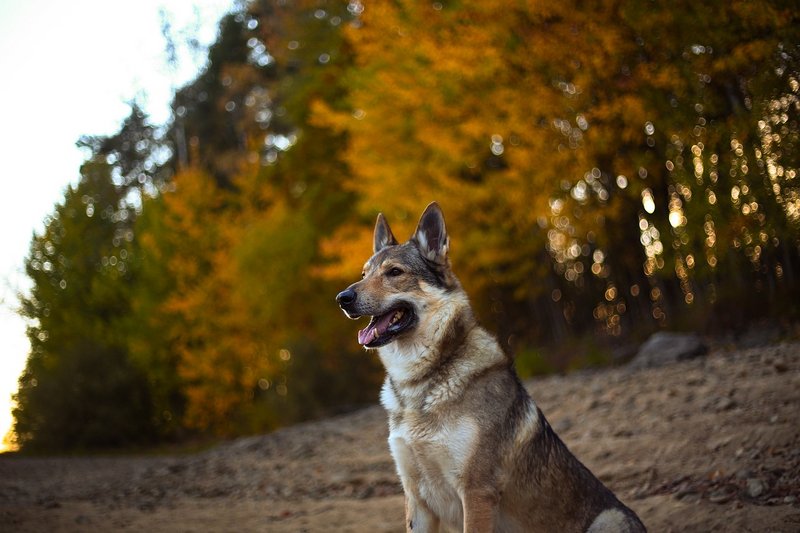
[419, 518]
[480, 506]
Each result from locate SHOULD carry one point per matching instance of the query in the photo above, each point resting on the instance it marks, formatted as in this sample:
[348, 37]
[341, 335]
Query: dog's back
[545, 475]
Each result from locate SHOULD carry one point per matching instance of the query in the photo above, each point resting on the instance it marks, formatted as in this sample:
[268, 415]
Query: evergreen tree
[79, 388]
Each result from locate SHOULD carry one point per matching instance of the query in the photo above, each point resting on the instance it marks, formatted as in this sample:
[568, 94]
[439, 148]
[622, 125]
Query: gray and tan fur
[473, 451]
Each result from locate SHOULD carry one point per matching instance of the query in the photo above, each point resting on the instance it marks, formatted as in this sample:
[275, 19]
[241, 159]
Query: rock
[666, 347]
[721, 496]
[716, 444]
[724, 404]
[755, 487]
[562, 425]
[688, 496]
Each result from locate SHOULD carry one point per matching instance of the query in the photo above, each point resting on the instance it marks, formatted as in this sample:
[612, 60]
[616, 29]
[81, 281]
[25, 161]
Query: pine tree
[79, 388]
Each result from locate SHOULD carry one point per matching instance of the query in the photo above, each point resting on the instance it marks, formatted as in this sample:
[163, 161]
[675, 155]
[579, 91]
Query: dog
[473, 451]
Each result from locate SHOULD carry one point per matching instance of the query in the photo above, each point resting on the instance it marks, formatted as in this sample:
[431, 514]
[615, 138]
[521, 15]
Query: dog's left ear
[383, 236]
[431, 234]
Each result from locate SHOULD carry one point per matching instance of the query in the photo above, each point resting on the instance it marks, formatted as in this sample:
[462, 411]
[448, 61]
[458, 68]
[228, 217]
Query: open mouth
[383, 328]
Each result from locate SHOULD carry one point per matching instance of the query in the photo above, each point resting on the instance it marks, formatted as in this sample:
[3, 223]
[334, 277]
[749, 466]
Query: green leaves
[80, 389]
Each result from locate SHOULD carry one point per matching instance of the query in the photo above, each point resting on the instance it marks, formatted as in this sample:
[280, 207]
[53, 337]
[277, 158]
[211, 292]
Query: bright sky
[68, 69]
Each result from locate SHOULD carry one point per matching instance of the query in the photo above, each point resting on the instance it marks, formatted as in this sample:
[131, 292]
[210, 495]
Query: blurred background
[606, 170]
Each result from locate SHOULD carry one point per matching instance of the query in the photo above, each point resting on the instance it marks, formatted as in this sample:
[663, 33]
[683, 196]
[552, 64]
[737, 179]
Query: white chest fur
[431, 459]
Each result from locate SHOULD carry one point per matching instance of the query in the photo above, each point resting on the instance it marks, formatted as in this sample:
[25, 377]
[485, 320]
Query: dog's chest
[432, 457]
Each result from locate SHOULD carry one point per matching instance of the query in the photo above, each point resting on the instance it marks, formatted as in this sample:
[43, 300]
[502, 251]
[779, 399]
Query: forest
[607, 170]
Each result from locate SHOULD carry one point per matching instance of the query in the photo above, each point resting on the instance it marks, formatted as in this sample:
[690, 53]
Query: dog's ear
[431, 235]
[383, 236]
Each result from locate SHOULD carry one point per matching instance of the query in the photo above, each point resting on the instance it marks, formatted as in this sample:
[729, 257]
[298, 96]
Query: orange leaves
[344, 253]
[209, 327]
[744, 55]
[501, 111]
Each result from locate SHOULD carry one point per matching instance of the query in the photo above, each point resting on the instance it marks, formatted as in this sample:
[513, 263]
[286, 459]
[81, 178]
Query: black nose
[346, 297]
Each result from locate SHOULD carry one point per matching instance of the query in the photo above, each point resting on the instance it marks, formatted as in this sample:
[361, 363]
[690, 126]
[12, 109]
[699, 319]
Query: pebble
[725, 404]
[562, 425]
[690, 497]
[755, 487]
[687, 493]
[716, 444]
[721, 496]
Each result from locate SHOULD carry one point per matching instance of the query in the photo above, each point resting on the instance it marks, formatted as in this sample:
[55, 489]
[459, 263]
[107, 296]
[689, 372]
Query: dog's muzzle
[384, 325]
[346, 297]
[346, 300]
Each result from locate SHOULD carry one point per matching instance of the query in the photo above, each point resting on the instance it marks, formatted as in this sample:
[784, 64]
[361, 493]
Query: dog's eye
[393, 272]
[363, 275]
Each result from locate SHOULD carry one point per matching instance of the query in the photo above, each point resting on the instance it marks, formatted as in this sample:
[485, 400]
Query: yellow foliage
[536, 125]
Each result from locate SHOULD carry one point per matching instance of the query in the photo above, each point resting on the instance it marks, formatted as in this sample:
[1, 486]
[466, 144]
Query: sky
[69, 69]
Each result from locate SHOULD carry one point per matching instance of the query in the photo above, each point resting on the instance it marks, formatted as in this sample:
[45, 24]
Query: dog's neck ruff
[431, 366]
[407, 360]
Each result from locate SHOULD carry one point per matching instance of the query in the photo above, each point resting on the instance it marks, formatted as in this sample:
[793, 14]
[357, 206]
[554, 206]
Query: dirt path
[711, 444]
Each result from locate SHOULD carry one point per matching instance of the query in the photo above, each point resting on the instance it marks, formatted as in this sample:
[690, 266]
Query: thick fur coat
[473, 451]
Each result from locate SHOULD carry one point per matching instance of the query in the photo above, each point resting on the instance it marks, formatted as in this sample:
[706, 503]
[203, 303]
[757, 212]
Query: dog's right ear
[383, 236]
[431, 235]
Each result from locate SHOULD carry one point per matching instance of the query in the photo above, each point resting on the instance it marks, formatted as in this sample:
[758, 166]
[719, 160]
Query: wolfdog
[473, 451]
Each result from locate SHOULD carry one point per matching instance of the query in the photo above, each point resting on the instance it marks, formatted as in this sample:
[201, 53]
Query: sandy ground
[711, 444]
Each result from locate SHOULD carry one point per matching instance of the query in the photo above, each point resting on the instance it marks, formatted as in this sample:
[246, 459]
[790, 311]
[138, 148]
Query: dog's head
[399, 279]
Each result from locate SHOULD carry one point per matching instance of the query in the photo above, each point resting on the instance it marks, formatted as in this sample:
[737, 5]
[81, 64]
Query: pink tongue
[363, 335]
[366, 335]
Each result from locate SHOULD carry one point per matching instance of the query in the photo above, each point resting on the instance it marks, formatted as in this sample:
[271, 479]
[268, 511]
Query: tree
[79, 388]
[241, 243]
[583, 130]
[138, 152]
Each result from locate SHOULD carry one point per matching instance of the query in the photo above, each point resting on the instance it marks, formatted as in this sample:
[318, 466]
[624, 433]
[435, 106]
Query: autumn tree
[249, 321]
[590, 157]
